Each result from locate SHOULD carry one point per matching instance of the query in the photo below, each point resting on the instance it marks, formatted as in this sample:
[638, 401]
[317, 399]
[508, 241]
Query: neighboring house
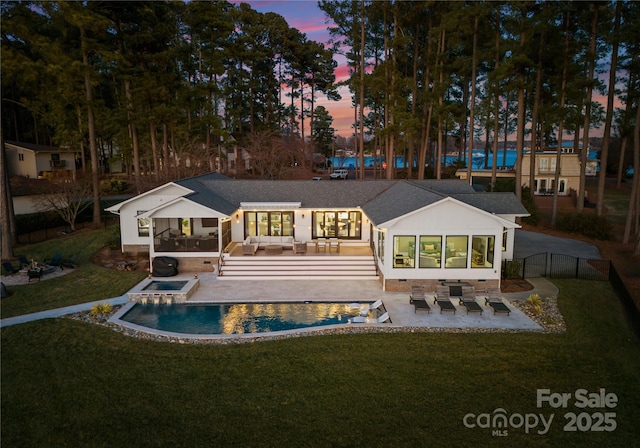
[40, 162]
[414, 231]
[545, 169]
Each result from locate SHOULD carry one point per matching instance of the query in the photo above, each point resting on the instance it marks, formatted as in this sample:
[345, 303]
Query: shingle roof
[381, 200]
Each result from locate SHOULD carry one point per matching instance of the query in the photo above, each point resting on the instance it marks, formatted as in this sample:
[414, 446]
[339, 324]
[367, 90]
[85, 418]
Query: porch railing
[186, 244]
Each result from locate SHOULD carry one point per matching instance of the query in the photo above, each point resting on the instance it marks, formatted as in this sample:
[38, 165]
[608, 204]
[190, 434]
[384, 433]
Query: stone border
[551, 321]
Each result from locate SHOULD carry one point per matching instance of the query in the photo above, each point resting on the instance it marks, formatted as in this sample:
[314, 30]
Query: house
[412, 232]
[39, 161]
[544, 171]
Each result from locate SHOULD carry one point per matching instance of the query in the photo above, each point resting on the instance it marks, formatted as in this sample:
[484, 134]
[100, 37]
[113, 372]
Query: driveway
[531, 243]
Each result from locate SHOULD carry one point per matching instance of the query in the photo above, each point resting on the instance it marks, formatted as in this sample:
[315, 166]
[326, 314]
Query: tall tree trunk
[584, 154]
[634, 199]
[93, 147]
[154, 151]
[472, 108]
[534, 121]
[165, 150]
[563, 89]
[133, 129]
[361, 109]
[604, 153]
[8, 230]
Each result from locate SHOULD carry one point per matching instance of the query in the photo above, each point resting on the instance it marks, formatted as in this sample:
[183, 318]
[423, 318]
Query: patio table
[273, 249]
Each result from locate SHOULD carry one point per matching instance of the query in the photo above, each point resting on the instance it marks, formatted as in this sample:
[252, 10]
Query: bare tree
[68, 199]
[272, 157]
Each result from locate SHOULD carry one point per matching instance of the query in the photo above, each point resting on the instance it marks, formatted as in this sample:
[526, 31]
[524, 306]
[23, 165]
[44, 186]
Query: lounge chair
[417, 293]
[55, 261]
[443, 301]
[23, 261]
[369, 320]
[9, 269]
[376, 304]
[494, 300]
[468, 300]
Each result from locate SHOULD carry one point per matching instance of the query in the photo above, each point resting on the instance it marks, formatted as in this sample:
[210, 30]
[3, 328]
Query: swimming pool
[241, 318]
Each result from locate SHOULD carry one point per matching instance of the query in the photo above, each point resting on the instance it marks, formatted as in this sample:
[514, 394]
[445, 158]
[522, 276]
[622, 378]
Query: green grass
[68, 383]
[88, 282]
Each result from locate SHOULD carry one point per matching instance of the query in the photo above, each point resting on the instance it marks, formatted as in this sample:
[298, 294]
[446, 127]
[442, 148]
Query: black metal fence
[557, 266]
[567, 266]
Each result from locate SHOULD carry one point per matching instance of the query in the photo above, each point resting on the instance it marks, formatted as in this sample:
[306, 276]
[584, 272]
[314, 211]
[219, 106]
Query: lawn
[69, 383]
[88, 282]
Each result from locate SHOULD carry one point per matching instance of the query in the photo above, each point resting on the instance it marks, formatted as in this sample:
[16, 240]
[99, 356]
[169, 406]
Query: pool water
[165, 285]
[239, 318]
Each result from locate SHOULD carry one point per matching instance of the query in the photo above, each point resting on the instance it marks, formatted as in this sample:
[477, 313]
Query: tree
[323, 133]
[68, 199]
[8, 230]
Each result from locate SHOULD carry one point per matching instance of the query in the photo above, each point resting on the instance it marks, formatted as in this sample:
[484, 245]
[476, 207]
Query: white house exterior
[38, 161]
[415, 232]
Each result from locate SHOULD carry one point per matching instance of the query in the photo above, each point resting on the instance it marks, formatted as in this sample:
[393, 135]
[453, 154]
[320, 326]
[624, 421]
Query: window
[268, 223]
[456, 252]
[562, 187]
[544, 164]
[504, 239]
[209, 222]
[482, 248]
[430, 251]
[21, 157]
[346, 225]
[381, 245]
[404, 251]
[143, 224]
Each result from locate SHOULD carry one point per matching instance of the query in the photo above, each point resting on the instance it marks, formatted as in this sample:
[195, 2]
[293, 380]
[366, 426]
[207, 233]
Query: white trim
[115, 209]
[270, 205]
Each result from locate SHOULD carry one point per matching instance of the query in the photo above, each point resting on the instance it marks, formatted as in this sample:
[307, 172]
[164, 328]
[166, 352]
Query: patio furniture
[334, 243]
[417, 293]
[321, 243]
[273, 249]
[9, 269]
[494, 300]
[443, 301]
[468, 300]
[70, 262]
[421, 304]
[34, 273]
[300, 247]
[23, 261]
[249, 248]
[55, 261]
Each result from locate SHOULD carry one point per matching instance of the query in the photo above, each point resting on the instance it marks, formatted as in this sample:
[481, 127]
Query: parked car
[339, 174]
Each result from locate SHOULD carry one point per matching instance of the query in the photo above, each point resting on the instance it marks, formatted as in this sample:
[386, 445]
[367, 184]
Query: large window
[143, 225]
[482, 249]
[346, 225]
[381, 235]
[456, 252]
[430, 250]
[404, 251]
[268, 223]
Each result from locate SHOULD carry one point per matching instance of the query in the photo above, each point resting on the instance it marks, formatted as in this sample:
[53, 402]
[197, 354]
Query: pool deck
[402, 313]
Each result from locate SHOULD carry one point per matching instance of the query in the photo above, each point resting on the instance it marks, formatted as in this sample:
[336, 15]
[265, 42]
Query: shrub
[534, 299]
[114, 242]
[587, 224]
[513, 269]
[101, 309]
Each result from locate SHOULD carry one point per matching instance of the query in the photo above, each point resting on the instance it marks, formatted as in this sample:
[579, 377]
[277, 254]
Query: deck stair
[296, 267]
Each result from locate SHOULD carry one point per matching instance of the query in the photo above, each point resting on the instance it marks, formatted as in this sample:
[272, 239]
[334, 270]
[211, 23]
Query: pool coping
[116, 319]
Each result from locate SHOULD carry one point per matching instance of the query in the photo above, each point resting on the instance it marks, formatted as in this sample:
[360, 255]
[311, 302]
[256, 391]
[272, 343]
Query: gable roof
[40, 148]
[381, 200]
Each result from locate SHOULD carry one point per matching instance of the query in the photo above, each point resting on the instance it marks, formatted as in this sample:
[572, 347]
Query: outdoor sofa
[252, 243]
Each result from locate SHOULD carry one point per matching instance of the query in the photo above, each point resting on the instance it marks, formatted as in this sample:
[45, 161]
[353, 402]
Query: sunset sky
[309, 19]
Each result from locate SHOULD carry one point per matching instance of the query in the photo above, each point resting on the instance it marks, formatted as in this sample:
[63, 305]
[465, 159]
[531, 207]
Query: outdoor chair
[55, 261]
[468, 300]
[418, 299]
[321, 243]
[300, 247]
[494, 300]
[443, 300]
[334, 243]
[70, 262]
[9, 269]
[34, 273]
[23, 261]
